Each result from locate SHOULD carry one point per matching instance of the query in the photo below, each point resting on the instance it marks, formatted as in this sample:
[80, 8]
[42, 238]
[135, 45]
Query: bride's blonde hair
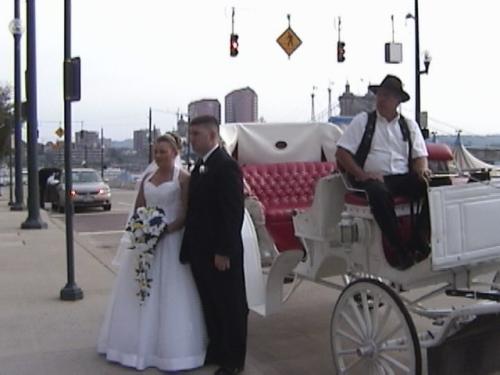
[172, 139]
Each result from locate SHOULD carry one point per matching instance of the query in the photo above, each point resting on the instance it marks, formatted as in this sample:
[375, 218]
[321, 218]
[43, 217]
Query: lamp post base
[71, 292]
[33, 224]
[16, 207]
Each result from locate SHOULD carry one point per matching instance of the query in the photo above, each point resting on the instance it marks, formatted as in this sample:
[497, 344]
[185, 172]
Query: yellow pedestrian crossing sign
[59, 132]
[289, 41]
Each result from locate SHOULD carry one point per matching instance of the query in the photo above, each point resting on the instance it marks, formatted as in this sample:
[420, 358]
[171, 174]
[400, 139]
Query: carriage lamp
[348, 229]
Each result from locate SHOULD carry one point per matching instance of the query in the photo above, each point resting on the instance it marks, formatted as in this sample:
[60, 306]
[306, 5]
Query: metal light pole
[16, 29]
[71, 291]
[313, 111]
[418, 72]
[33, 221]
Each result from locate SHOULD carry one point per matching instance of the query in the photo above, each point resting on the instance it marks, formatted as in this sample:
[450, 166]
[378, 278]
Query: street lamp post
[16, 29]
[33, 221]
[418, 72]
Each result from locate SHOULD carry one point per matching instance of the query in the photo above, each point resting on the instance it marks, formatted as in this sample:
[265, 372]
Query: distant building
[351, 105]
[241, 106]
[141, 140]
[205, 107]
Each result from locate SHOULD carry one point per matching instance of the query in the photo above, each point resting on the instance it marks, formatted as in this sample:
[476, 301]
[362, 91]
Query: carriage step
[473, 294]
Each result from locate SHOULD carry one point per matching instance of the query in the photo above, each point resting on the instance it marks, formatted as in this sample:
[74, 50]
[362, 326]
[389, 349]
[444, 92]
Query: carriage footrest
[473, 294]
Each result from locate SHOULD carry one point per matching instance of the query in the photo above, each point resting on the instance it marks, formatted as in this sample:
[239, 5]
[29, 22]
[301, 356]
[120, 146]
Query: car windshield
[86, 176]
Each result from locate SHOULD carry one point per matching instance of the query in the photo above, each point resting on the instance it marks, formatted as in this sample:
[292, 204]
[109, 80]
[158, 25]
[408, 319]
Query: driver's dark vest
[366, 142]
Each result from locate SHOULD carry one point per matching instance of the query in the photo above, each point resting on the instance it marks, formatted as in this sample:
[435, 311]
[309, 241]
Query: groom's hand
[221, 262]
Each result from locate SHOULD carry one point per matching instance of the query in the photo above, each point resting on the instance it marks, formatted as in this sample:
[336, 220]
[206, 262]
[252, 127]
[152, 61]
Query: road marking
[125, 204]
[102, 232]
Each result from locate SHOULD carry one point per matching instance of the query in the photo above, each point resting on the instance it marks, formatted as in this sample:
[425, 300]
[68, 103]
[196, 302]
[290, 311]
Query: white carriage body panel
[465, 224]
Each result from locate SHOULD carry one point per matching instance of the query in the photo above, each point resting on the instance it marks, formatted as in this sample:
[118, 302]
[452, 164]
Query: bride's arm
[178, 223]
[140, 201]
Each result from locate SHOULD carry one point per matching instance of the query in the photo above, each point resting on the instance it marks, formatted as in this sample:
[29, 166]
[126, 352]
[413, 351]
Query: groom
[212, 245]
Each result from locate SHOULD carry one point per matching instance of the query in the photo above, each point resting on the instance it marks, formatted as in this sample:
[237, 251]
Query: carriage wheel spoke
[385, 317]
[352, 366]
[395, 363]
[355, 309]
[390, 334]
[366, 311]
[352, 325]
[343, 333]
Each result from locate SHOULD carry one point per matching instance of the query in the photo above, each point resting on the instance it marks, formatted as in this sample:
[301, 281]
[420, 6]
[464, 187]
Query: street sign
[59, 132]
[289, 41]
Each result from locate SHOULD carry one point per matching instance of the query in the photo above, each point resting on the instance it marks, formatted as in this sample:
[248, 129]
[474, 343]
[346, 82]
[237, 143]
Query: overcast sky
[164, 54]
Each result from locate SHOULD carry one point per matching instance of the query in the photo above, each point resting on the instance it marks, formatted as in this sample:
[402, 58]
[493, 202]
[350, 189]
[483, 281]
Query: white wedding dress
[168, 330]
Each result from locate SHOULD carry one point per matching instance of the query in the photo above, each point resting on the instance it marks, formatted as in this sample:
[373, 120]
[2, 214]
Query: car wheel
[107, 207]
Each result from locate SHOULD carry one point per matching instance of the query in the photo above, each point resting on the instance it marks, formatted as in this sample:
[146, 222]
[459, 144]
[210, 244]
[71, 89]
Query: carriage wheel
[372, 332]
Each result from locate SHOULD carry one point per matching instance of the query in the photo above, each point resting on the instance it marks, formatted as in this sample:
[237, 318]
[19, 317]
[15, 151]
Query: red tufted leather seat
[283, 188]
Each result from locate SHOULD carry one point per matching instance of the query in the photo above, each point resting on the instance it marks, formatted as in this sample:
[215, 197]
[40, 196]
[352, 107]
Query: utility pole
[313, 112]
[102, 153]
[150, 155]
[33, 221]
[329, 102]
[71, 291]
[17, 30]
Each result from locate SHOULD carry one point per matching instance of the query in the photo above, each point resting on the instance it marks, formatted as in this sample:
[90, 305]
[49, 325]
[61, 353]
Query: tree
[6, 118]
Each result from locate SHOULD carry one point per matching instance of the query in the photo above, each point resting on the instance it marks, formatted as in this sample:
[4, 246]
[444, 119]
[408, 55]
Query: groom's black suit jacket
[213, 226]
[215, 210]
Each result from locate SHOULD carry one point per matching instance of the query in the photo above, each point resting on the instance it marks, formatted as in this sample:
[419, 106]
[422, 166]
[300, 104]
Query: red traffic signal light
[340, 51]
[233, 45]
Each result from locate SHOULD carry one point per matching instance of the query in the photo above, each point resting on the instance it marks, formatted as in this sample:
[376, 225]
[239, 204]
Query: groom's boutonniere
[203, 169]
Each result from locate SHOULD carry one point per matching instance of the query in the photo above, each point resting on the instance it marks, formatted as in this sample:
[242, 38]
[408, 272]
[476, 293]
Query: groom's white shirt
[207, 155]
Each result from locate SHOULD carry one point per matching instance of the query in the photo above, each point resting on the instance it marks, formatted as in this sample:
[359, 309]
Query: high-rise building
[141, 140]
[241, 106]
[205, 107]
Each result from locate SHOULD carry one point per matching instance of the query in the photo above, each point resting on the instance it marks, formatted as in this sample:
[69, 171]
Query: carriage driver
[384, 153]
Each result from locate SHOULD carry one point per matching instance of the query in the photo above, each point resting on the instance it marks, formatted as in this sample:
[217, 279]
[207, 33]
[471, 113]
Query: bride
[167, 331]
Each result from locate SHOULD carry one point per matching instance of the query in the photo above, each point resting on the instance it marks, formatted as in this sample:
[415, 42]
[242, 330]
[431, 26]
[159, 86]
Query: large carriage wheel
[372, 332]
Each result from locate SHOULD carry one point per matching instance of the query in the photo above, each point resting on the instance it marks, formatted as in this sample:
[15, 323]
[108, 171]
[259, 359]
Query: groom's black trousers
[224, 302]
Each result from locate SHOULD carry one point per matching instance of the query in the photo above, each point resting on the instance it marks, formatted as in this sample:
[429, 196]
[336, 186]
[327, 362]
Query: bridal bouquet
[145, 228]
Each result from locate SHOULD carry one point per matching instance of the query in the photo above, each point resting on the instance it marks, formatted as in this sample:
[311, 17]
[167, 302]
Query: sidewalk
[40, 334]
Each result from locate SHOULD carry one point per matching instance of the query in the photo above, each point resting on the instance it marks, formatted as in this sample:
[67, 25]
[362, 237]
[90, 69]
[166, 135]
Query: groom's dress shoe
[228, 371]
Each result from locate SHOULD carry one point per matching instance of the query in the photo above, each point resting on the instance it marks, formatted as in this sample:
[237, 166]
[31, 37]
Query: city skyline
[164, 56]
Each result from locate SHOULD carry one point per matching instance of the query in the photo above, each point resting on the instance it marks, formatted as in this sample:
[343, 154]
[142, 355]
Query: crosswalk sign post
[289, 40]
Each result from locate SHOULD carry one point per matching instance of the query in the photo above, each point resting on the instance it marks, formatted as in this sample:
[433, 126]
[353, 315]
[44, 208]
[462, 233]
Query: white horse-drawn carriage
[315, 228]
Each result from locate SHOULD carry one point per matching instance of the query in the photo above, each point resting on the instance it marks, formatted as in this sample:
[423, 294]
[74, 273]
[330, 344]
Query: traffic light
[340, 51]
[233, 45]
